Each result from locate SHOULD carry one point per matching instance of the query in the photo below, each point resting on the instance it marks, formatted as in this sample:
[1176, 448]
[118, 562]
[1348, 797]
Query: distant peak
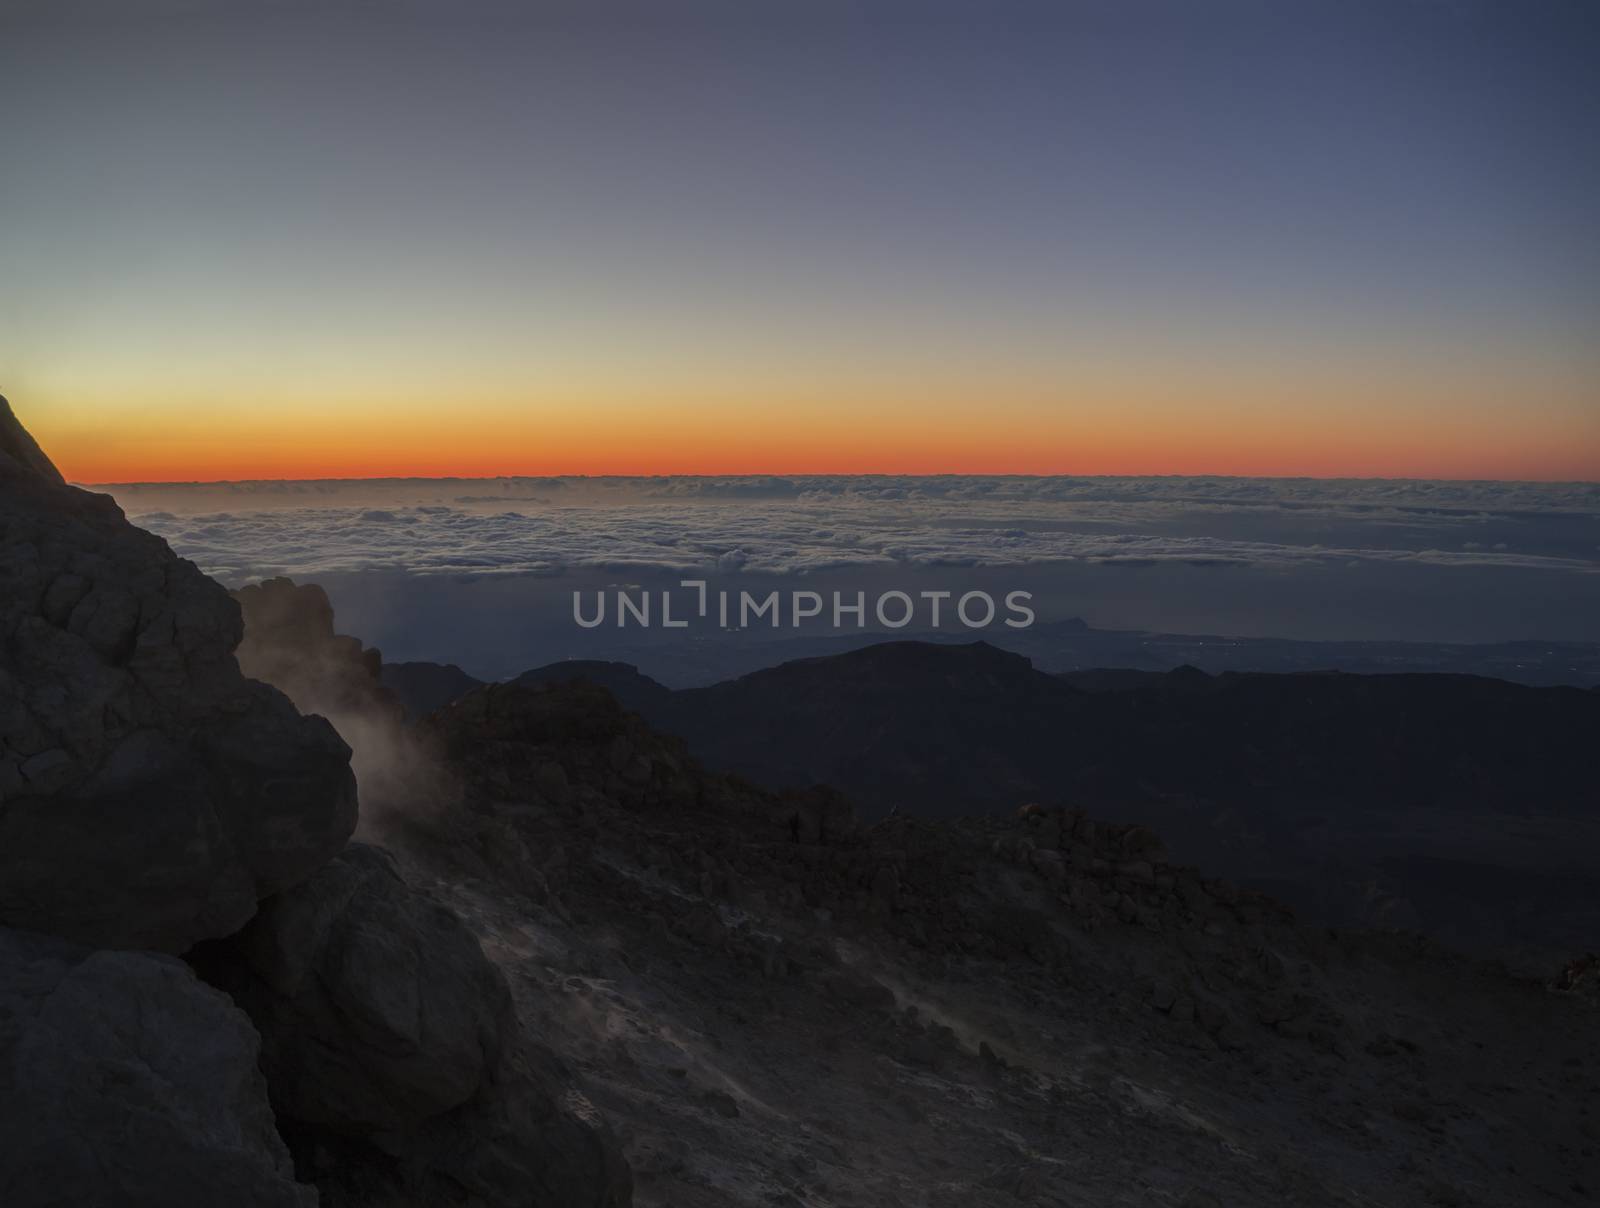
[19, 452]
[580, 667]
[938, 658]
[978, 651]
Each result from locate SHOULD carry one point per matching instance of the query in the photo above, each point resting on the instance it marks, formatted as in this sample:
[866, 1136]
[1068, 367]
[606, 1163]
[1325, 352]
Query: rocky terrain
[332, 1034]
[775, 1005]
[1461, 806]
[567, 966]
[129, 738]
[289, 642]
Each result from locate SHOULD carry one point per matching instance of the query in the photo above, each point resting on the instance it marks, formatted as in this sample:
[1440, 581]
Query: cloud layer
[806, 526]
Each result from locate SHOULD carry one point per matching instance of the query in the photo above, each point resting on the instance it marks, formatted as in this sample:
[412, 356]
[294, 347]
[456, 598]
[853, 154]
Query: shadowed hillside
[1350, 795]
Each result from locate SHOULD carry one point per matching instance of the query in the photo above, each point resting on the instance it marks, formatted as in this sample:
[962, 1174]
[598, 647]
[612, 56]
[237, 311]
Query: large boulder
[125, 1082]
[377, 1006]
[391, 1051]
[150, 794]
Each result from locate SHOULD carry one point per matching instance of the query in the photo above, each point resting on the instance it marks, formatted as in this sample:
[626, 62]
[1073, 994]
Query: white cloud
[242, 531]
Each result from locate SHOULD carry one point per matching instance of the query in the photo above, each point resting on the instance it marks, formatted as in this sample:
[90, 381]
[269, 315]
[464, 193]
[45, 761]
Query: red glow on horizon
[356, 444]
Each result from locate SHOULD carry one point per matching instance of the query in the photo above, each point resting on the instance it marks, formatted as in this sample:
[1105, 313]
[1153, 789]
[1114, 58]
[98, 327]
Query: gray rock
[124, 1081]
[389, 1039]
[150, 794]
[20, 454]
[290, 643]
[377, 1007]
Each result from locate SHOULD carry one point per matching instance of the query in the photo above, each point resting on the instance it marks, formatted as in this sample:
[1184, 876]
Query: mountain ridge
[1379, 793]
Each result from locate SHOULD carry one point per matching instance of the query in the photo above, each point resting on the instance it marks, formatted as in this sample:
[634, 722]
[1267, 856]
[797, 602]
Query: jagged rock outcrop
[290, 643]
[20, 454]
[563, 741]
[505, 753]
[128, 1083]
[150, 794]
[633, 689]
[571, 744]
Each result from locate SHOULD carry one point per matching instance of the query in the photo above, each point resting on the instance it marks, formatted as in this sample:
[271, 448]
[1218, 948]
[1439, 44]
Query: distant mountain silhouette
[1455, 804]
[424, 687]
[930, 730]
[1347, 794]
[955, 729]
[632, 688]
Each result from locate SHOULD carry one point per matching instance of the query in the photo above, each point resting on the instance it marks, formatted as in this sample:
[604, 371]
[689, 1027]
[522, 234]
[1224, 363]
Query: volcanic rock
[290, 643]
[898, 1011]
[392, 1055]
[377, 1008]
[125, 1081]
[150, 794]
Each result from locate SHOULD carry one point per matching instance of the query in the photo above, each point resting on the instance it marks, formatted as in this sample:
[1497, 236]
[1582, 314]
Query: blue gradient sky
[295, 240]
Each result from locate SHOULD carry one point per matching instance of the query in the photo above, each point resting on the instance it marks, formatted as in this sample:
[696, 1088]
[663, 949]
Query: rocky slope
[394, 1058]
[130, 740]
[1464, 807]
[152, 797]
[774, 1005]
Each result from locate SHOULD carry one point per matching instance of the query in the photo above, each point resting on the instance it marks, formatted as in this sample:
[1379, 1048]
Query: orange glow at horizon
[646, 452]
[1016, 432]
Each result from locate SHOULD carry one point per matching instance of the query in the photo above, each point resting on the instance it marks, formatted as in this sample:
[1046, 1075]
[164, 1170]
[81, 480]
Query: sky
[350, 239]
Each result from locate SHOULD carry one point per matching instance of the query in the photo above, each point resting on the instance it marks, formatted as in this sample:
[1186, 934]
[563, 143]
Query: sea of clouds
[806, 526]
[482, 571]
